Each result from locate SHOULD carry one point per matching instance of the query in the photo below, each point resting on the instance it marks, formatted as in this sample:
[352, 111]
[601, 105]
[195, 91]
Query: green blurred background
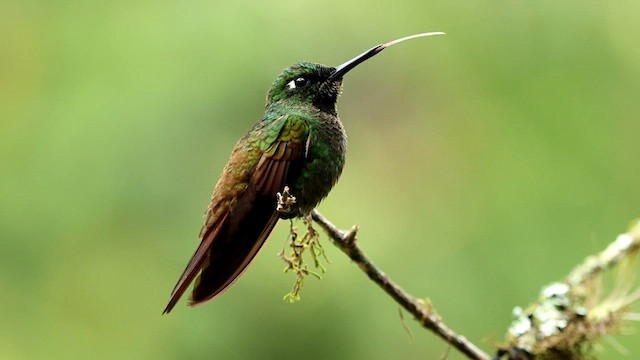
[482, 165]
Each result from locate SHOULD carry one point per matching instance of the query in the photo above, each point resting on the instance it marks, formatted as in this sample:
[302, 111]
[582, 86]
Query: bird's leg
[285, 204]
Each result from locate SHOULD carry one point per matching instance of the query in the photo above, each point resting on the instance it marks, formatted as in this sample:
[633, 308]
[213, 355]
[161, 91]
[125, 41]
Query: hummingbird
[299, 143]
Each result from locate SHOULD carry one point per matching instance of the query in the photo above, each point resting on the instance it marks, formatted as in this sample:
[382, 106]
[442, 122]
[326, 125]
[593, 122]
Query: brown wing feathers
[195, 263]
[233, 239]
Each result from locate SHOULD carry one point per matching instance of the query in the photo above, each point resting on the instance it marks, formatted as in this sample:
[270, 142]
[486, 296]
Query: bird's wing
[283, 148]
[236, 227]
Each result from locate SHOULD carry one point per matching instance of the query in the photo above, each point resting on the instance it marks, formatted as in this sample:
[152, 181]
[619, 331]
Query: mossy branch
[569, 317]
[580, 314]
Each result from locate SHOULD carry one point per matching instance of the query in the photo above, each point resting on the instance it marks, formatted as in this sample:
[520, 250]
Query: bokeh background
[482, 165]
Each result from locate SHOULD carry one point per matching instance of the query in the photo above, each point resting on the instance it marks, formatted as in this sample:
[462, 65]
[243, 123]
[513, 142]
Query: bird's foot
[285, 204]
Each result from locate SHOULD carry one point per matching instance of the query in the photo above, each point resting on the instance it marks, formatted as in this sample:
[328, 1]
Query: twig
[421, 310]
[616, 251]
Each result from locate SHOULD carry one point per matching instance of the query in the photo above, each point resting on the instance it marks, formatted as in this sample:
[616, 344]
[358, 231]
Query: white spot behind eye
[291, 84]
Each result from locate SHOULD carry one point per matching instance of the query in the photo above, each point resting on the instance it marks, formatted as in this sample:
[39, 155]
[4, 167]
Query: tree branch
[420, 309]
[565, 322]
[571, 315]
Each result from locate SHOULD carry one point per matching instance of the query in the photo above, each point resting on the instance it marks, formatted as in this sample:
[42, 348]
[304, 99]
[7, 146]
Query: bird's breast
[323, 163]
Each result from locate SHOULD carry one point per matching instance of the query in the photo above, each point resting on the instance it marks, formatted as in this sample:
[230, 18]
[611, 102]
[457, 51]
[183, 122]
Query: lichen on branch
[298, 247]
[572, 315]
[569, 317]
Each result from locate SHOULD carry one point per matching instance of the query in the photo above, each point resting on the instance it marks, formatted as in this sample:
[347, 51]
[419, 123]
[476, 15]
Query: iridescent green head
[313, 84]
[306, 83]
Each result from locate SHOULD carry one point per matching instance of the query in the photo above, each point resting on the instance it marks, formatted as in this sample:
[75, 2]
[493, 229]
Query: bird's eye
[298, 83]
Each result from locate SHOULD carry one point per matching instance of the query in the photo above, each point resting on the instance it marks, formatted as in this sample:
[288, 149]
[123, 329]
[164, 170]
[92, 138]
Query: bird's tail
[228, 246]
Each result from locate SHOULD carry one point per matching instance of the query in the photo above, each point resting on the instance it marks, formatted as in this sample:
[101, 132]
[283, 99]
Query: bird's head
[306, 83]
[311, 84]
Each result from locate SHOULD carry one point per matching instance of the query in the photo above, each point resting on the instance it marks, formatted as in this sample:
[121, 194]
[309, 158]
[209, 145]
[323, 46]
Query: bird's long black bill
[347, 66]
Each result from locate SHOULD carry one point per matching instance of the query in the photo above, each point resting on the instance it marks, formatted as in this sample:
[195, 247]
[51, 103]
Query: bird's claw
[285, 203]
